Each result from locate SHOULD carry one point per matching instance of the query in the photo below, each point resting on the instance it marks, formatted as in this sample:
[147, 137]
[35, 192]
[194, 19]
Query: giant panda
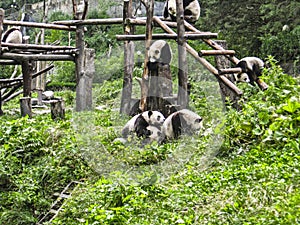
[139, 123]
[191, 10]
[153, 134]
[251, 69]
[181, 122]
[13, 35]
[159, 52]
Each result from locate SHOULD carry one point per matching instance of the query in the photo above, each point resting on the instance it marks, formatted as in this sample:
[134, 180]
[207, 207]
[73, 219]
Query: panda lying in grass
[152, 125]
[146, 125]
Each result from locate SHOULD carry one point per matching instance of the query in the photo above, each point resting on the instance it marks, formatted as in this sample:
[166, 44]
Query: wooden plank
[230, 70]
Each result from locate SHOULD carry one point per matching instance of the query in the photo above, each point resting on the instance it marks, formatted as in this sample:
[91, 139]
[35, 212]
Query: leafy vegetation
[252, 177]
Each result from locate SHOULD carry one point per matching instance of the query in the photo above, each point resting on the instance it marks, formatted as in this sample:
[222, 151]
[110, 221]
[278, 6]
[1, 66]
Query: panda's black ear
[150, 113]
[198, 120]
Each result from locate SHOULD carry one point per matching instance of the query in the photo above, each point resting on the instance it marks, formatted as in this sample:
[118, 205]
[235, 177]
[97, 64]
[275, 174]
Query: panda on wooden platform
[139, 124]
[159, 52]
[191, 10]
[251, 69]
[181, 122]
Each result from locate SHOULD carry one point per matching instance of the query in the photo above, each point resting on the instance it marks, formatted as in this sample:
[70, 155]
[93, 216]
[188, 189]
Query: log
[90, 22]
[142, 22]
[182, 57]
[36, 57]
[229, 70]
[215, 52]
[38, 25]
[8, 61]
[2, 12]
[203, 61]
[139, 37]
[149, 29]
[57, 109]
[25, 105]
[27, 78]
[38, 47]
[125, 107]
[84, 100]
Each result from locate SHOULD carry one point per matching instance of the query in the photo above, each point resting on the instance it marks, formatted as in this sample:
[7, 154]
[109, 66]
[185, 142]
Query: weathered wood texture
[223, 63]
[57, 109]
[149, 29]
[203, 61]
[25, 105]
[160, 86]
[1, 26]
[128, 61]
[27, 78]
[182, 57]
[85, 77]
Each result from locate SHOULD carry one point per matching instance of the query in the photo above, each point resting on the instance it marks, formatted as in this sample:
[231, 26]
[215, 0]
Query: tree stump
[25, 105]
[57, 109]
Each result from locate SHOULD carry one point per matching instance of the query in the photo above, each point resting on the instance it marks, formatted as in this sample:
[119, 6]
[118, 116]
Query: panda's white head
[241, 77]
[160, 51]
[172, 7]
[154, 118]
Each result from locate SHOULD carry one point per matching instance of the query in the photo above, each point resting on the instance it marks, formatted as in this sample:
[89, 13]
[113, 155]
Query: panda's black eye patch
[245, 79]
[239, 76]
[158, 118]
[156, 51]
[198, 120]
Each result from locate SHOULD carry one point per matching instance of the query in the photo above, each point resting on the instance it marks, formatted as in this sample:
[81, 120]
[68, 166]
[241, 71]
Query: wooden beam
[230, 70]
[36, 57]
[8, 62]
[90, 22]
[203, 61]
[215, 52]
[35, 46]
[139, 37]
[38, 25]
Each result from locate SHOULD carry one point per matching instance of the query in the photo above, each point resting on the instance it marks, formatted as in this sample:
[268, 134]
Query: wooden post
[25, 105]
[128, 60]
[145, 79]
[182, 57]
[2, 12]
[79, 68]
[84, 98]
[223, 62]
[27, 77]
[57, 109]
[1, 111]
